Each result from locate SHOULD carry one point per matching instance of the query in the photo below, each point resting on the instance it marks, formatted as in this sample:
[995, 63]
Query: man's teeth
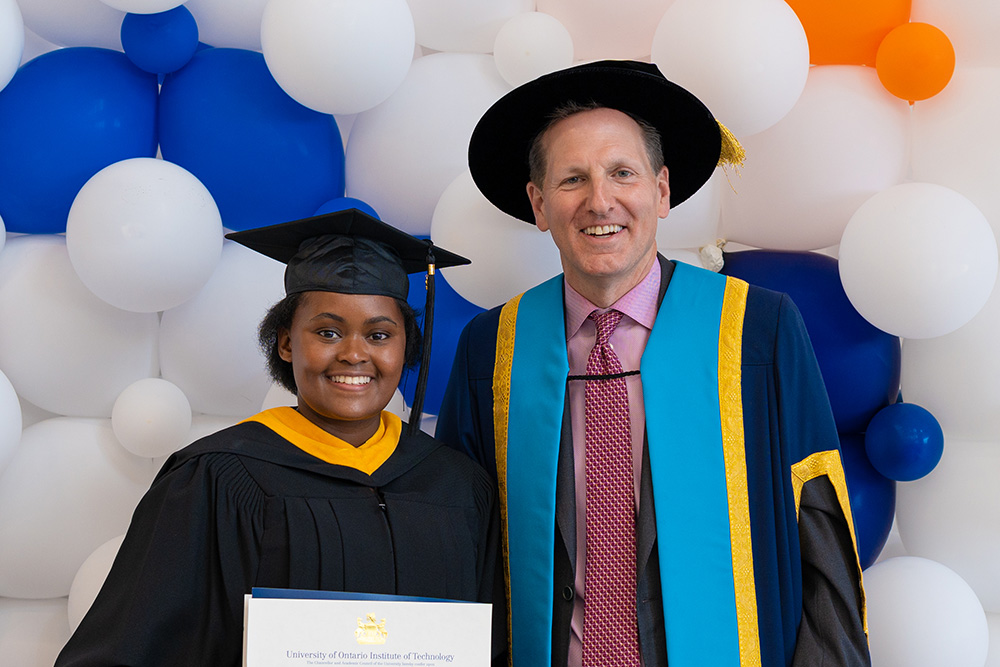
[352, 379]
[602, 230]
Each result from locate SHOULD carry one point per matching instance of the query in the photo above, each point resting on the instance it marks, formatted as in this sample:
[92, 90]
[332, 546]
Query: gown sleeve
[174, 594]
[832, 629]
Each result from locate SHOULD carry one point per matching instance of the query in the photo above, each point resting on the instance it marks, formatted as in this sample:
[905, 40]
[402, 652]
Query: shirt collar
[639, 303]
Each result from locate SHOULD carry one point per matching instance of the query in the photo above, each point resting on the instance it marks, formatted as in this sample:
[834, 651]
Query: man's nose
[601, 199]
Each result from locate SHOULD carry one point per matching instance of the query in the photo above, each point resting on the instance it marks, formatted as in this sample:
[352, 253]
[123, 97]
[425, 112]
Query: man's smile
[602, 230]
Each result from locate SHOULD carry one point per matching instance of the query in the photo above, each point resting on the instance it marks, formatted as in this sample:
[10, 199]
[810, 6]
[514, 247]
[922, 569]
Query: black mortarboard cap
[346, 251]
[351, 252]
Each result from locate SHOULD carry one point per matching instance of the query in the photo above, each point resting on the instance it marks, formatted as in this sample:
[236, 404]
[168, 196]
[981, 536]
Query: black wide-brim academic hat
[498, 150]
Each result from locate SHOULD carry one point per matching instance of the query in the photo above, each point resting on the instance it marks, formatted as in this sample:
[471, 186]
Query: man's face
[600, 199]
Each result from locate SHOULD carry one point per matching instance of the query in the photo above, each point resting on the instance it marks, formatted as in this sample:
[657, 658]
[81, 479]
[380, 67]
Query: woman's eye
[380, 335]
[328, 333]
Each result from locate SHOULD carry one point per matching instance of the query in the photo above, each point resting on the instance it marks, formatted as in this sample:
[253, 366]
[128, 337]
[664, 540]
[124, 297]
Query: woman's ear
[284, 345]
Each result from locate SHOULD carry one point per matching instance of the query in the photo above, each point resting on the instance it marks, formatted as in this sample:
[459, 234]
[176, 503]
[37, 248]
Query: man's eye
[572, 180]
[623, 173]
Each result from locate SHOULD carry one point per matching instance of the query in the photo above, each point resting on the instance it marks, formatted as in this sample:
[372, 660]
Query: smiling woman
[332, 494]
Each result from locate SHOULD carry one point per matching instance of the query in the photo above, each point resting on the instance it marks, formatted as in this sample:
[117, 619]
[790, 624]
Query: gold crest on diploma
[371, 631]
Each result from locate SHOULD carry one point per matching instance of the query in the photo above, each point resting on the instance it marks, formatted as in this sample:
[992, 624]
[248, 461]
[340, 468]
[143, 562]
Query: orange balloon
[848, 32]
[915, 61]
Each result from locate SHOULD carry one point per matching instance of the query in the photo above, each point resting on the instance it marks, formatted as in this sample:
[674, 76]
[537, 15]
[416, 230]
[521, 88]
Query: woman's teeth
[352, 379]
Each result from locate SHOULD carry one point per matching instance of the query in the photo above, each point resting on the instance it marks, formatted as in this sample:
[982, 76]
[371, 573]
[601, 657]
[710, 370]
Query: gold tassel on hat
[732, 152]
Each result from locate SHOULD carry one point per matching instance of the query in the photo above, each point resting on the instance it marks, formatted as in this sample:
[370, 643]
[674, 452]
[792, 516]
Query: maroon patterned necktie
[610, 630]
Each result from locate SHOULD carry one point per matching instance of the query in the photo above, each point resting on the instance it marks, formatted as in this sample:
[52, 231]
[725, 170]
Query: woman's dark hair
[279, 317]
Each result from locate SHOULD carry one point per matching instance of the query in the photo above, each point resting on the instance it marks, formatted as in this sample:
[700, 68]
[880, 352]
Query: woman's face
[347, 353]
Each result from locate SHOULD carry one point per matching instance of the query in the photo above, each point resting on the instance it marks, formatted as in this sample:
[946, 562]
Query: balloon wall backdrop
[134, 133]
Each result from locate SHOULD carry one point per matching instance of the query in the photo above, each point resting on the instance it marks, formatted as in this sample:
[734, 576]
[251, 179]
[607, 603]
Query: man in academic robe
[694, 397]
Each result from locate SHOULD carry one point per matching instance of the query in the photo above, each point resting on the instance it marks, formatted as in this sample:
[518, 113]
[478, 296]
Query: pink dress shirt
[628, 341]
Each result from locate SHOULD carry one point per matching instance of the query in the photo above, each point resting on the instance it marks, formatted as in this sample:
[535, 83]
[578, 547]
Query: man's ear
[663, 187]
[535, 195]
[284, 345]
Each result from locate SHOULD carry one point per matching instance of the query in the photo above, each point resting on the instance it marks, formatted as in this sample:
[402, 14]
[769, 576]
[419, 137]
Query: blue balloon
[162, 42]
[264, 157]
[860, 363]
[904, 442]
[873, 499]
[451, 313]
[64, 116]
[344, 203]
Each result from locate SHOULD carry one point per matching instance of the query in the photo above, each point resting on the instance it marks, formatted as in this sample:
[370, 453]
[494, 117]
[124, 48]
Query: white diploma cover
[290, 628]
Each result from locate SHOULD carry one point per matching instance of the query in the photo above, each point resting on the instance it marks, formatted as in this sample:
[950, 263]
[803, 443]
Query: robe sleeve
[465, 421]
[174, 595]
[832, 629]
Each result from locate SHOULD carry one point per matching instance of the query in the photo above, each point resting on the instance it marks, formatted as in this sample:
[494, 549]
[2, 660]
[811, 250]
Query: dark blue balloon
[873, 499]
[264, 157]
[904, 442]
[162, 42]
[451, 313]
[64, 116]
[344, 203]
[860, 363]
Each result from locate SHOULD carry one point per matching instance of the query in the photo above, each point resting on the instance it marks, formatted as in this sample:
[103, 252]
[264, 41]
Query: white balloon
[32, 632]
[969, 24]
[89, 579]
[993, 659]
[402, 154]
[228, 23]
[144, 234]
[277, 397]
[530, 45]
[508, 255]
[79, 374]
[951, 144]
[804, 177]
[338, 56]
[603, 29]
[208, 345]
[954, 376]
[922, 614]
[10, 421]
[74, 22]
[696, 221]
[463, 25]
[746, 60]
[69, 488]
[11, 49]
[152, 418]
[918, 260]
[143, 6]
[953, 515]
[35, 46]
[205, 425]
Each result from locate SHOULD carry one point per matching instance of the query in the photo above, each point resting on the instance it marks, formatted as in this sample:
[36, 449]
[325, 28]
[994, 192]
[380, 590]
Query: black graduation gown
[245, 507]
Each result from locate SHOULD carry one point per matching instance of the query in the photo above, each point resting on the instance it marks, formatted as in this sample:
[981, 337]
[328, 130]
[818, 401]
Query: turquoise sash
[692, 451]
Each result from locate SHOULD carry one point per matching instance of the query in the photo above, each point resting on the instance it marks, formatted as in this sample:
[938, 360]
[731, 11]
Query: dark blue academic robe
[791, 553]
